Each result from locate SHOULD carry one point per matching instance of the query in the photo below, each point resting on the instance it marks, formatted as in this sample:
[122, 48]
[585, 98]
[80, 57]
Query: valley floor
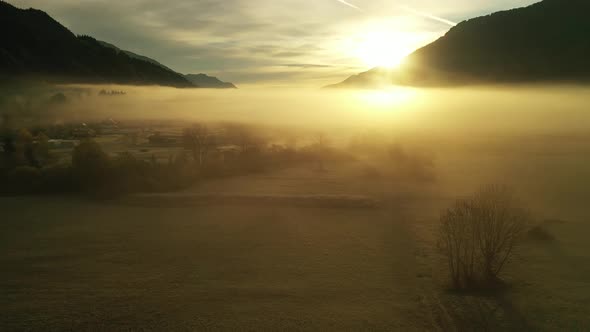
[79, 265]
[73, 264]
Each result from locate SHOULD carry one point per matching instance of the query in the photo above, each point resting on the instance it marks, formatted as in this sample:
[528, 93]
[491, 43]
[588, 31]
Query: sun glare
[384, 43]
[381, 49]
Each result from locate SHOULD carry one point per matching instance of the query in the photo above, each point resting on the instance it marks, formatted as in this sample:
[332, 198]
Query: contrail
[349, 5]
[409, 10]
[430, 16]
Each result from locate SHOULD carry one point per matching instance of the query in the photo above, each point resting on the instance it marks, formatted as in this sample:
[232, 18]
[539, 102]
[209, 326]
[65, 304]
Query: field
[73, 264]
[347, 248]
[79, 265]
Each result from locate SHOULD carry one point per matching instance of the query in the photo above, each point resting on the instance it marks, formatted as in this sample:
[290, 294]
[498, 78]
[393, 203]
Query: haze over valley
[182, 165]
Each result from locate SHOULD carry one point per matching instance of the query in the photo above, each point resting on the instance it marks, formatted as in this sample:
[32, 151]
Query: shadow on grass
[487, 308]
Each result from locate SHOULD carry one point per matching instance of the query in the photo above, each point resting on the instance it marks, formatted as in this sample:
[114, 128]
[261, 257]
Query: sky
[269, 42]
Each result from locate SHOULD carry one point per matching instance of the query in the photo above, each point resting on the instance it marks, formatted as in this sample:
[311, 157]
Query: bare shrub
[200, 141]
[478, 236]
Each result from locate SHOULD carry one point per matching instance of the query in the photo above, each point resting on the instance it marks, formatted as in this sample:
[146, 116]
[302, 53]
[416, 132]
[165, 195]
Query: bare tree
[478, 235]
[247, 138]
[199, 140]
[320, 143]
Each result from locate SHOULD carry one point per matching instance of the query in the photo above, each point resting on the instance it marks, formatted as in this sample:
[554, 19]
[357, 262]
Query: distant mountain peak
[206, 81]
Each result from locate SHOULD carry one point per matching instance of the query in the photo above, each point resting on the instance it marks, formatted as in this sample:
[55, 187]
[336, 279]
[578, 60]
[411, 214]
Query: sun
[382, 49]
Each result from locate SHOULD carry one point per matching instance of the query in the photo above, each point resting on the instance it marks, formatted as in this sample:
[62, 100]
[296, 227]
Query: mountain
[372, 79]
[34, 45]
[545, 42]
[136, 56]
[205, 81]
[199, 80]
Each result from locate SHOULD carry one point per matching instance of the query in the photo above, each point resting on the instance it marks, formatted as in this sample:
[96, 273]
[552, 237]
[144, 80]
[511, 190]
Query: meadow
[264, 251]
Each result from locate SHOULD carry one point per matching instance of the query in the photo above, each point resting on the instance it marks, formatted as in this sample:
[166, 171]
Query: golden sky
[268, 42]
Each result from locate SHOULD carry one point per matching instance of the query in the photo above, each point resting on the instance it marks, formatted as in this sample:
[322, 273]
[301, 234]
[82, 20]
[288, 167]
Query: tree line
[28, 165]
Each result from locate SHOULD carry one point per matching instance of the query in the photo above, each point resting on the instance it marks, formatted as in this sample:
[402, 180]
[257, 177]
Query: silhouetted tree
[41, 149]
[320, 143]
[8, 144]
[478, 236]
[90, 165]
[199, 140]
[24, 149]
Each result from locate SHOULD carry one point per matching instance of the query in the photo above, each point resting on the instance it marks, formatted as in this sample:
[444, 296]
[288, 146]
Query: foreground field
[85, 266]
[246, 255]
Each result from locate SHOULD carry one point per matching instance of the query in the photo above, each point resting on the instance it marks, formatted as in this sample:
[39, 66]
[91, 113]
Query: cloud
[306, 65]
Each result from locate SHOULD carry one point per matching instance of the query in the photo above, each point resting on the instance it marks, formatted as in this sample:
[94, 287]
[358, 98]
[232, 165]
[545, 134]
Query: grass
[71, 264]
[82, 265]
